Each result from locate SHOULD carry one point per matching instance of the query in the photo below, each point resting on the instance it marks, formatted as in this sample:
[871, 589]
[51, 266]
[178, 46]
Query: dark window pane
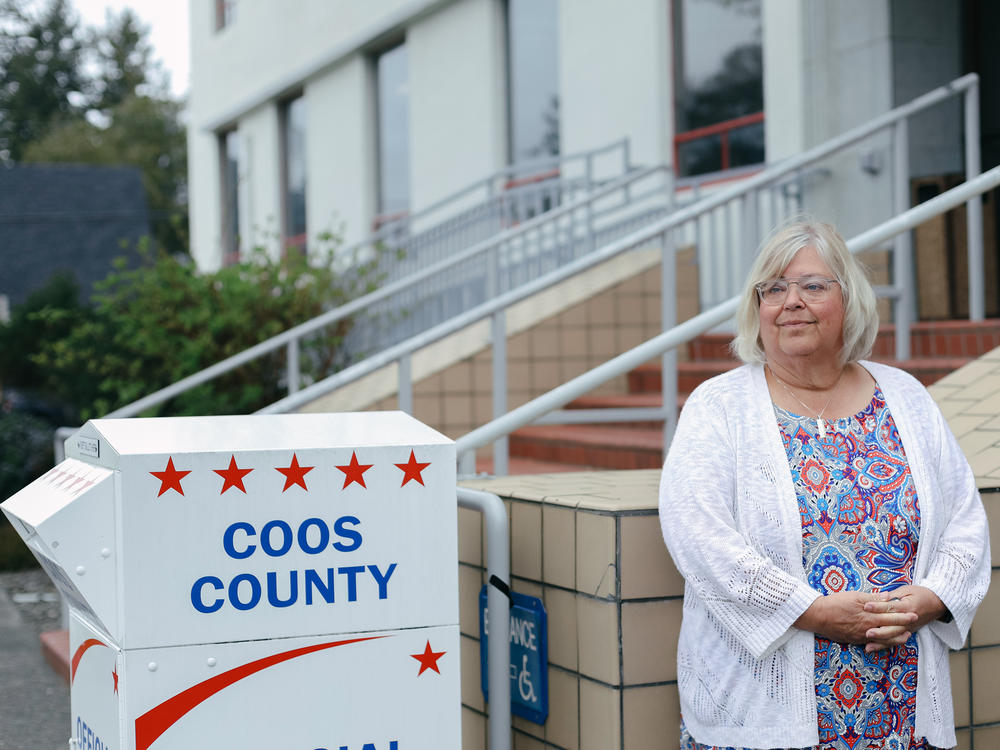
[700, 156]
[534, 79]
[746, 145]
[718, 74]
[295, 167]
[393, 130]
[230, 144]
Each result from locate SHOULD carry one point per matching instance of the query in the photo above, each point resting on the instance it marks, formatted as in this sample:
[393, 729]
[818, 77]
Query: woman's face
[796, 332]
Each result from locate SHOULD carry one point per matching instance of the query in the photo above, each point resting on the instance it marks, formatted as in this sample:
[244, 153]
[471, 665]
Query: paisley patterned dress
[860, 526]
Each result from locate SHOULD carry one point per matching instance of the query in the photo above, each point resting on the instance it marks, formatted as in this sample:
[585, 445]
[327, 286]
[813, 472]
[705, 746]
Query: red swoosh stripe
[159, 719]
[79, 655]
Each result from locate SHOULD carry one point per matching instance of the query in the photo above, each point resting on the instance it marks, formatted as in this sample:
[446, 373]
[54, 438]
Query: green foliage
[143, 132]
[30, 324]
[26, 455]
[41, 74]
[162, 321]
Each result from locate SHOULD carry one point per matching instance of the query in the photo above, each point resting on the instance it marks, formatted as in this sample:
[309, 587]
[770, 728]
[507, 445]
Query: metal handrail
[498, 648]
[656, 229]
[286, 338]
[702, 323]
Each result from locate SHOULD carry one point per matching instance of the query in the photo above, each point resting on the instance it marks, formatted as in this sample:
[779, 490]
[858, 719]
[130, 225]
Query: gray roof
[66, 217]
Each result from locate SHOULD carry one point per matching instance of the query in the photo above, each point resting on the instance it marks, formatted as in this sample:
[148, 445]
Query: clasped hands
[879, 621]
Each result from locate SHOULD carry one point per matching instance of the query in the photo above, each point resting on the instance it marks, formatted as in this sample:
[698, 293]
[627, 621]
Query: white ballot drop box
[282, 581]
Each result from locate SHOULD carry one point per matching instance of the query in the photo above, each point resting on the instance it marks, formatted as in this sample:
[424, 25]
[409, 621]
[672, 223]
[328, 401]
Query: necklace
[820, 423]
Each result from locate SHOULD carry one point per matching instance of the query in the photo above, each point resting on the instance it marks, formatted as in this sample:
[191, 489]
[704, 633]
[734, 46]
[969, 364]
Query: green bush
[159, 322]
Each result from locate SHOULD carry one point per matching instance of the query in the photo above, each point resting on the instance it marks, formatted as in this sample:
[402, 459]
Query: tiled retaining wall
[589, 545]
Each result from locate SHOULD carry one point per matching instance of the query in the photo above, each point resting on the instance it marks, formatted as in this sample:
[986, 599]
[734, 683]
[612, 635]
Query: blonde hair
[776, 253]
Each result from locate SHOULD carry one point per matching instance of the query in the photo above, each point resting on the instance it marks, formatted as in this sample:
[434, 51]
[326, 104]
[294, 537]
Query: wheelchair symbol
[524, 684]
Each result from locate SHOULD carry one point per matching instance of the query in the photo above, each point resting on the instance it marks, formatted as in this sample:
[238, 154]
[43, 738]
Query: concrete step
[600, 446]
[936, 338]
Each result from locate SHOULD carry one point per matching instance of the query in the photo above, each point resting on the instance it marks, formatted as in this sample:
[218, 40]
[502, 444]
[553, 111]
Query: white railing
[547, 403]
[769, 187]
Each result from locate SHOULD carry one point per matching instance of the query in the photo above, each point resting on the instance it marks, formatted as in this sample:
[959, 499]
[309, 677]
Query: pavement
[34, 699]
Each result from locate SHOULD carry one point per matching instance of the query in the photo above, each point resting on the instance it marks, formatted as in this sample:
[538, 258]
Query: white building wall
[847, 80]
[458, 110]
[340, 143]
[615, 77]
[260, 205]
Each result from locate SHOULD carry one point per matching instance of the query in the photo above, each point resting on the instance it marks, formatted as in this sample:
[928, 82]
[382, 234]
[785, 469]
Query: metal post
[404, 396]
[292, 366]
[751, 231]
[498, 331]
[902, 269]
[668, 313]
[974, 208]
[497, 568]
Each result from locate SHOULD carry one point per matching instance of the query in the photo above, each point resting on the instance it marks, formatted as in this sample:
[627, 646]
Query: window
[229, 163]
[719, 85]
[533, 94]
[293, 157]
[393, 96]
[225, 13]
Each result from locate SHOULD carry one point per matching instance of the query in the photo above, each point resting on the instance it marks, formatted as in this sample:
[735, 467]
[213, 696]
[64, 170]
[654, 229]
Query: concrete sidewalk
[34, 700]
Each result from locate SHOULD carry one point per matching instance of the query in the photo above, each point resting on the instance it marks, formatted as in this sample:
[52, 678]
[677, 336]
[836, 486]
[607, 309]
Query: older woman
[828, 527]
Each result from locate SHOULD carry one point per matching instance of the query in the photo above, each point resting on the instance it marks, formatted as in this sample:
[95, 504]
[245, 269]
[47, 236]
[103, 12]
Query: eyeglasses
[811, 289]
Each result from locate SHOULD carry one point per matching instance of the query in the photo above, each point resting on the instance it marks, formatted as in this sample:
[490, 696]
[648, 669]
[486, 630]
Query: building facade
[317, 115]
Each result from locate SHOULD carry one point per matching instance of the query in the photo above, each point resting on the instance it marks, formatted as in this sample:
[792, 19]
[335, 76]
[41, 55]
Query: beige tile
[559, 546]
[574, 343]
[563, 725]
[604, 340]
[537, 731]
[545, 375]
[647, 569]
[597, 633]
[472, 690]
[458, 409]
[560, 607]
[652, 717]
[525, 741]
[959, 664]
[470, 581]
[980, 390]
[977, 441]
[458, 378]
[985, 685]
[518, 346]
[986, 462]
[470, 536]
[629, 308]
[986, 626]
[474, 730]
[526, 587]
[988, 737]
[544, 342]
[991, 501]
[962, 424]
[601, 309]
[988, 406]
[649, 641]
[595, 554]
[964, 741]
[970, 373]
[526, 540]
[600, 717]
[951, 407]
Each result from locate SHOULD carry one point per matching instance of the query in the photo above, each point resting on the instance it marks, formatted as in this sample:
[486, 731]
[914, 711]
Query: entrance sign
[529, 655]
[259, 581]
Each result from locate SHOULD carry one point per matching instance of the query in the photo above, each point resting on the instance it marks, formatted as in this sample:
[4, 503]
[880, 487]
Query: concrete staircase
[937, 348]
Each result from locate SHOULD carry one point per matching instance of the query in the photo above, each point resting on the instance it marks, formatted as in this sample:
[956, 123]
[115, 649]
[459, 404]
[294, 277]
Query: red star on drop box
[295, 474]
[354, 471]
[170, 478]
[411, 470]
[428, 659]
[233, 476]
[114, 674]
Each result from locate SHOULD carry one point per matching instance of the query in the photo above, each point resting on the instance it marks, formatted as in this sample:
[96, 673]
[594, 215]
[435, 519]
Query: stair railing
[546, 405]
[591, 214]
[775, 189]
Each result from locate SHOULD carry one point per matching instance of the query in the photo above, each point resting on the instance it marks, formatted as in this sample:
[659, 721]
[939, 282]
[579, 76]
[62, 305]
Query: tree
[141, 131]
[124, 59]
[41, 77]
[158, 323]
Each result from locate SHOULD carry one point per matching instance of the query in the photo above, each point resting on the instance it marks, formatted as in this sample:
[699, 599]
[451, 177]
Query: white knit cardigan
[730, 519]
